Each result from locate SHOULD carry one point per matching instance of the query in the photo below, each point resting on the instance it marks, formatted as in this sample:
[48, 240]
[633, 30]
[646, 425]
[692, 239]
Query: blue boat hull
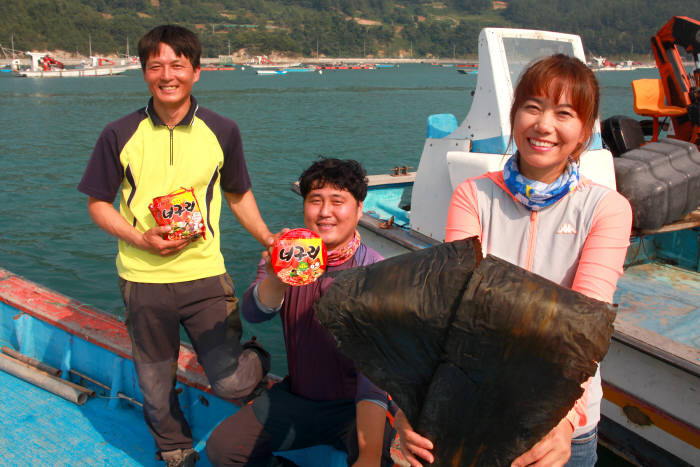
[92, 348]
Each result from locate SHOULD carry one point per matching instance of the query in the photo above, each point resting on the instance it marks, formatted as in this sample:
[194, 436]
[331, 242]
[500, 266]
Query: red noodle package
[179, 210]
[299, 257]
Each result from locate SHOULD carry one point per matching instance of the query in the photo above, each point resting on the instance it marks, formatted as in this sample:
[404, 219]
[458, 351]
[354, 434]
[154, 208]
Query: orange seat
[649, 101]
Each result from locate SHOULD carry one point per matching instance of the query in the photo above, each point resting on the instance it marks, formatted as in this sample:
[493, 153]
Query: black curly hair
[342, 174]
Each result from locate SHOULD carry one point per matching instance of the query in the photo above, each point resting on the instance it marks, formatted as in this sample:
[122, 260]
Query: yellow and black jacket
[141, 158]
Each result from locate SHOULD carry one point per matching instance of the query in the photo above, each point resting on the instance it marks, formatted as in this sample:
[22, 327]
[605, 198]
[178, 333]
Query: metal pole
[58, 386]
[31, 361]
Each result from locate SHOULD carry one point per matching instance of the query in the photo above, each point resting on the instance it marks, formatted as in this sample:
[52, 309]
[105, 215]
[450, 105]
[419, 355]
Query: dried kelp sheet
[484, 357]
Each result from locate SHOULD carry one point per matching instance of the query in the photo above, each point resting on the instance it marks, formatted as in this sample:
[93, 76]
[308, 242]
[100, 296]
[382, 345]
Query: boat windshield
[520, 52]
[503, 56]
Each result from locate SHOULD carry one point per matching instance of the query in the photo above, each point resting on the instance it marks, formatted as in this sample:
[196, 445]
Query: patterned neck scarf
[536, 195]
[343, 254]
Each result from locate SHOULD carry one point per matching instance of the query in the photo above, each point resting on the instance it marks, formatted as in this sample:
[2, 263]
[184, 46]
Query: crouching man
[323, 400]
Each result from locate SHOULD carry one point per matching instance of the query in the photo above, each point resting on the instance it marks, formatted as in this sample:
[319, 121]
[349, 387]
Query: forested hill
[332, 28]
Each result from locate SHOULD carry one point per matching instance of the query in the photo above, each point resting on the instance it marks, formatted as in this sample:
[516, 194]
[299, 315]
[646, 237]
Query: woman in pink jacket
[540, 214]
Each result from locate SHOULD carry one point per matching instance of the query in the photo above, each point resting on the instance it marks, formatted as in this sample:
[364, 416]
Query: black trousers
[208, 311]
[278, 420]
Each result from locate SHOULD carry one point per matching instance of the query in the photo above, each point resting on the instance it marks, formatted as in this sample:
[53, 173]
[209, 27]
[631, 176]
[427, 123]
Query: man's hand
[271, 290]
[109, 220]
[267, 254]
[267, 257]
[152, 240]
[552, 450]
[273, 238]
[412, 445]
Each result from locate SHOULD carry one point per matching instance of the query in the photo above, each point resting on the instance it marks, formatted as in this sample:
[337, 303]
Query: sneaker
[180, 457]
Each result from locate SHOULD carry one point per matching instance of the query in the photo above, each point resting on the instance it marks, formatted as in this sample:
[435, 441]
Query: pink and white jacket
[579, 242]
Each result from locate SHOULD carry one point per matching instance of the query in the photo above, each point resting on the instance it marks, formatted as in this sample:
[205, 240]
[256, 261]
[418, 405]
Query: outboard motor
[621, 134]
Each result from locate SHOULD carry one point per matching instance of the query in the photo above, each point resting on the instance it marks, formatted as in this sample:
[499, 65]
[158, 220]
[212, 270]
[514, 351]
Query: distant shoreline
[303, 60]
[281, 62]
[286, 61]
[313, 61]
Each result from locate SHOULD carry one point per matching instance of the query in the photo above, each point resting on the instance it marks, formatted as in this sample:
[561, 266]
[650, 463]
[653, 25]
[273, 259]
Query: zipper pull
[171, 144]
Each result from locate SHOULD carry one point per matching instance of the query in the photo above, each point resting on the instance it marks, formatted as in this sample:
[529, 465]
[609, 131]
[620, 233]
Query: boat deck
[659, 296]
[651, 371]
[663, 299]
[40, 428]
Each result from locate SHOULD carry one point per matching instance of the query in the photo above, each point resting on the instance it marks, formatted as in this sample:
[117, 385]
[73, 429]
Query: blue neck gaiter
[536, 195]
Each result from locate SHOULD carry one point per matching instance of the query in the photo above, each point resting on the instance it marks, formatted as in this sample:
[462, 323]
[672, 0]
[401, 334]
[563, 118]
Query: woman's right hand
[413, 446]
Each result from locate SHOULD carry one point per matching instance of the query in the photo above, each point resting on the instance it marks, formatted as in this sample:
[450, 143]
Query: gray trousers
[208, 311]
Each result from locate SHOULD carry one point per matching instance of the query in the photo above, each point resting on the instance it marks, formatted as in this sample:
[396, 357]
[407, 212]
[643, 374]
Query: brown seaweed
[483, 357]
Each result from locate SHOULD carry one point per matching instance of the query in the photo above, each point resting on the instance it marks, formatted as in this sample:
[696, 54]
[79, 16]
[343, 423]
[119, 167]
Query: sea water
[49, 126]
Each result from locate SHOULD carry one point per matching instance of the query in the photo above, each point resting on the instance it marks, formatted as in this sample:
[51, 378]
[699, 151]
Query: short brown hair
[553, 76]
[182, 40]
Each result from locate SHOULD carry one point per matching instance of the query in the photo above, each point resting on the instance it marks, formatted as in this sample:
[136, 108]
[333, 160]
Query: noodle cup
[299, 257]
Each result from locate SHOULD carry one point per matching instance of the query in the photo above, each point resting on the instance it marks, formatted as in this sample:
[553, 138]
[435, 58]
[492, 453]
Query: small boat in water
[305, 69]
[219, 68]
[69, 394]
[603, 64]
[651, 374]
[347, 66]
[270, 72]
[468, 68]
[45, 66]
[263, 62]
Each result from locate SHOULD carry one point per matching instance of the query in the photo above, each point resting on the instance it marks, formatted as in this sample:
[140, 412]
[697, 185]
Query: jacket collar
[186, 121]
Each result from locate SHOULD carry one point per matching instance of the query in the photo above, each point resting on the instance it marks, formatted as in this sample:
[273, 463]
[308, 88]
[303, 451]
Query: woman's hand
[412, 445]
[552, 450]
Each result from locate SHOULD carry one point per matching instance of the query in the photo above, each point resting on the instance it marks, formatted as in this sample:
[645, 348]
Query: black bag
[661, 180]
[483, 357]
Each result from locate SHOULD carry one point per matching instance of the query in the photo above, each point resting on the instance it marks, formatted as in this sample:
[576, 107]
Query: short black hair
[345, 174]
[182, 40]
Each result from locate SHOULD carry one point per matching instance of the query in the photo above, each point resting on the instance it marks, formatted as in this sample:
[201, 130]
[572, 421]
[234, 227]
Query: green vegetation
[332, 28]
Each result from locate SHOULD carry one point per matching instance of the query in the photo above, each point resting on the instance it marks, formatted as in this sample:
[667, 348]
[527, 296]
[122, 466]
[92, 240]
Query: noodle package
[299, 257]
[179, 210]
